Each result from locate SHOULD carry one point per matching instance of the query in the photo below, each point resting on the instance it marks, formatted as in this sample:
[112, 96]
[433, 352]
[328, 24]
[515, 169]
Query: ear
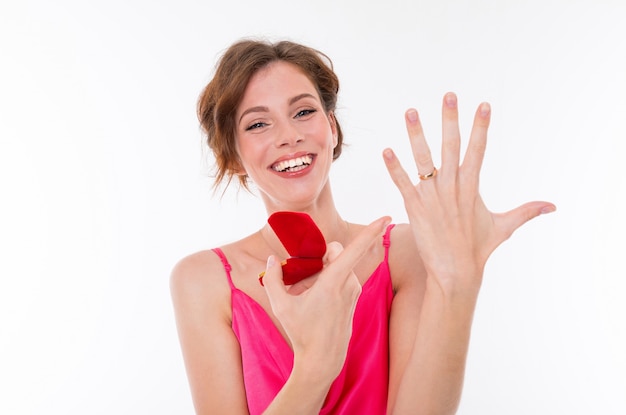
[333, 128]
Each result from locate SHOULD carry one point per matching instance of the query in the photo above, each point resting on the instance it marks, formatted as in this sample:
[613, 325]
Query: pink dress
[267, 359]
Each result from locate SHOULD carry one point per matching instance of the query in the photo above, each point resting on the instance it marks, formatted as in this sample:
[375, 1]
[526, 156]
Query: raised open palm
[454, 230]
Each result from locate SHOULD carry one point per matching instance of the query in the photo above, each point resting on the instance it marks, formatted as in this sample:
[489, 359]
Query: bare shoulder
[195, 266]
[403, 247]
[404, 260]
[197, 269]
[199, 277]
[201, 299]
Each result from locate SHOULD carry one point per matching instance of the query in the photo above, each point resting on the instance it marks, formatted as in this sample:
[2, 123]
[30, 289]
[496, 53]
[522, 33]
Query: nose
[288, 135]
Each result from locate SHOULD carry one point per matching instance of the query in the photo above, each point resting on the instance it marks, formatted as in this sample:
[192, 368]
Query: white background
[104, 183]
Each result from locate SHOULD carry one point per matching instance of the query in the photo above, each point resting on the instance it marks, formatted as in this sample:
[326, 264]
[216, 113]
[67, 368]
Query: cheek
[250, 154]
[323, 133]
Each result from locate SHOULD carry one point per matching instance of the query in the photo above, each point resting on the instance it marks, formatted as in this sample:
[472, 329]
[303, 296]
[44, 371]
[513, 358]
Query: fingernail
[411, 115]
[451, 100]
[388, 154]
[271, 261]
[548, 209]
[485, 109]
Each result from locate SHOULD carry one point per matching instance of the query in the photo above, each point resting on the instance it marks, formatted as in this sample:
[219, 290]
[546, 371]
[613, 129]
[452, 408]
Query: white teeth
[294, 164]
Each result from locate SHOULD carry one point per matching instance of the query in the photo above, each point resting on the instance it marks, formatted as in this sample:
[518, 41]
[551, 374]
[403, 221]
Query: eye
[255, 126]
[304, 113]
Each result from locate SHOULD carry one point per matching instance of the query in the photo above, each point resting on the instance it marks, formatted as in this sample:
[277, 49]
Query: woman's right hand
[318, 318]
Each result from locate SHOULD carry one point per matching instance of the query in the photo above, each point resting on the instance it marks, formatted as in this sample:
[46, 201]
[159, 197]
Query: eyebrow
[299, 97]
[261, 108]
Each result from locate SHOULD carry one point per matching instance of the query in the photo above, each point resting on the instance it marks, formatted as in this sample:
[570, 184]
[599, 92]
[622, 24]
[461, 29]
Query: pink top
[267, 359]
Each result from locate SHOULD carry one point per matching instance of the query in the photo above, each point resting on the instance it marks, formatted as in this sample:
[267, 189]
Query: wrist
[318, 370]
[455, 288]
[312, 378]
[304, 391]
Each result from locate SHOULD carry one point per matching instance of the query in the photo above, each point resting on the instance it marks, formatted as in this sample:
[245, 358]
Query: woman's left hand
[454, 231]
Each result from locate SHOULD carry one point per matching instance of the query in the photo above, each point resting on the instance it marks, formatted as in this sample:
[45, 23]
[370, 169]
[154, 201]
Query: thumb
[333, 249]
[515, 218]
[342, 261]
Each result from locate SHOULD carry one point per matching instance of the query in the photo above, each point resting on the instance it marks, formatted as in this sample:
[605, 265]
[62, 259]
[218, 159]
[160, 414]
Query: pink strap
[387, 240]
[227, 267]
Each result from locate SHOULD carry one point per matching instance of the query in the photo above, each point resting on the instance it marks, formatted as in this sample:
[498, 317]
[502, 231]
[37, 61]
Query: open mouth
[293, 165]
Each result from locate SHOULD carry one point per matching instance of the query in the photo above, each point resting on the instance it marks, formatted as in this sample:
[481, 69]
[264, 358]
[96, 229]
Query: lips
[293, 164]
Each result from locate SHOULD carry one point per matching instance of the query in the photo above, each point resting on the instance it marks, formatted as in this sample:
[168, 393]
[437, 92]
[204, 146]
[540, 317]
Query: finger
[273, 282]
[340, 269]
[475, 153]
[451, 138]
[419, 146]
[333, 249]
[399, 176]
[510, 221]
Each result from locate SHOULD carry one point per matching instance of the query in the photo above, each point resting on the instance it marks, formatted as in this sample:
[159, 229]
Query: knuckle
[333, 249]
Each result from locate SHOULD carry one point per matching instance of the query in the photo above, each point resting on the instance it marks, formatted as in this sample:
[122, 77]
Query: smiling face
[285, 138]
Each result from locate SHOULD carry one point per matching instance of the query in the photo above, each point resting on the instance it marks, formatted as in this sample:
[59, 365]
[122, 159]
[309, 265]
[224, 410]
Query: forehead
[277, 81]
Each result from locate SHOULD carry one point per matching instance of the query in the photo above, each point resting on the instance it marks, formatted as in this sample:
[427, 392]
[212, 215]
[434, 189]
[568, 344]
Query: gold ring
[429, 175]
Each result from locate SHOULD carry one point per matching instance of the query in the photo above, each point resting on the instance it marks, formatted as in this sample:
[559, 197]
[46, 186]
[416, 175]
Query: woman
[385, 326]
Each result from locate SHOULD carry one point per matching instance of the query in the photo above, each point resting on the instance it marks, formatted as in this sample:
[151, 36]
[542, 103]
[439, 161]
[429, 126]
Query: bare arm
[432, 381]
[428, 339]
[454, 235]
[200, 295]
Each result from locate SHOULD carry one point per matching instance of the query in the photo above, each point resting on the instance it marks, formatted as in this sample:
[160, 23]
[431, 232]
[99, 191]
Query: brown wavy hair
[218, 102]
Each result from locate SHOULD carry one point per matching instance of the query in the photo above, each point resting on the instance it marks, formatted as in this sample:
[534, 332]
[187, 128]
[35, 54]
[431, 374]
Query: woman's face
[284, 137]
